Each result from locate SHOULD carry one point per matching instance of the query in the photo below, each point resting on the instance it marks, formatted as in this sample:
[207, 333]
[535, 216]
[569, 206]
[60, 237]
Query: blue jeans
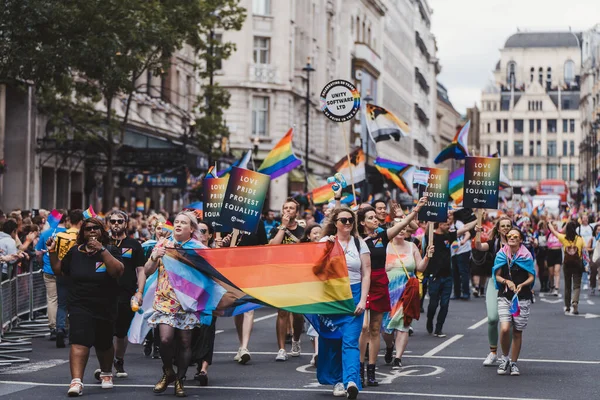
[461, 273]
[62, 292]
[440, 290]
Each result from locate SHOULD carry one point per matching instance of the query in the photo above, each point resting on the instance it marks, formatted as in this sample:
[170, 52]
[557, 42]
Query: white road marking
[552, 301]
[442, 346]
[33, 367]
[219, 331]
[591, 303]
[477, 325]
[325, 389]
[265, 317]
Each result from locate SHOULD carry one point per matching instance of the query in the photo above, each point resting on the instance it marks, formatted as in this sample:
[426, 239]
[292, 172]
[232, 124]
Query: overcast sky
[470, 33]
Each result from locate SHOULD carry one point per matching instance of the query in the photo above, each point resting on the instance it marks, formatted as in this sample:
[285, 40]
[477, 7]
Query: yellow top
[578, 242]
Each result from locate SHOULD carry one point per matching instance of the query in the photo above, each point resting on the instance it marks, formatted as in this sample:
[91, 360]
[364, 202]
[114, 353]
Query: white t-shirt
[353, 258]
[586, 232]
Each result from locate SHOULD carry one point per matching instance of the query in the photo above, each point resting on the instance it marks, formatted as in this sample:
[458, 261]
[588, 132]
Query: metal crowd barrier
[20, 297]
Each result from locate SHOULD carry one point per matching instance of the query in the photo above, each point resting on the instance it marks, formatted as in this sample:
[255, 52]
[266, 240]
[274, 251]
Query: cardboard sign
[436, 208]
[244, 199]
[340, 101]
[214, 193]
[482, 180]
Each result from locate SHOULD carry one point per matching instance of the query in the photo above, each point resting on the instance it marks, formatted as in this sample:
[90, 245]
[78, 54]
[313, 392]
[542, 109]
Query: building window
[551, 171]
[488, 127]
[518, 147]
[569, 71]
[531, 125]
[498, 148]
[531, 149]
[572, 148]
[538, 148]
[518, 171]
[505, 126]
[261, 50]
[538, 171]
[565, 124]
[260, 115]
[549, 77]
[219, 59]
[531, 173]
[565, 171]
[510, 75]
[531, 74]
[498, 126]
[261, 7]
[571, 172]
[551, 125]
[538, 123]
[565, 148]
[518, 125]
[572, 125]
[541, 76]
[551, 148]
[505, 147]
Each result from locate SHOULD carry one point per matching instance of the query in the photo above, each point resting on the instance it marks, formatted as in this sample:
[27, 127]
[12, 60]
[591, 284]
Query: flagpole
[349, 163]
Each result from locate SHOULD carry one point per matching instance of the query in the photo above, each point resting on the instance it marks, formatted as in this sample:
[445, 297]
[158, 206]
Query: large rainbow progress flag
[281, 159]
[457, 149]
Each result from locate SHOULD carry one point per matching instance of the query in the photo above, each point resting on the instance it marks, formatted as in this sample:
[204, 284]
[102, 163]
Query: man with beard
[130, 284]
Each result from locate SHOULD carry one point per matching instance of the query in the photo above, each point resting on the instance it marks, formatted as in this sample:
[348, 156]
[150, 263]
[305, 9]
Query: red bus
[554, 186]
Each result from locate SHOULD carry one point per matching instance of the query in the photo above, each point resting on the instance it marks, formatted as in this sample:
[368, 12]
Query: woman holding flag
[174, 318]
[513, 275]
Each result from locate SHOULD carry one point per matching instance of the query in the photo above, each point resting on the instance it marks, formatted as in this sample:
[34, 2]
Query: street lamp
[368, 99]
[308, 69]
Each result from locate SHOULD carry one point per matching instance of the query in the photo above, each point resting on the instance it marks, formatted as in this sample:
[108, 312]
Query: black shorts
[89, 330]
[554, 257]
[123, 320]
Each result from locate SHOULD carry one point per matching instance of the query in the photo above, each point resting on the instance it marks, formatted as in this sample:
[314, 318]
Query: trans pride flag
[281, 159]
[522, 259]
[458, 149]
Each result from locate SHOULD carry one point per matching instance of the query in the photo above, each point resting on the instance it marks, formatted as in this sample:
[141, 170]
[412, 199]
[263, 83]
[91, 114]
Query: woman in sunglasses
[175, 323]
[339, 356]
[92, 301]
[378, 300]
[493, 246]
[513, 274]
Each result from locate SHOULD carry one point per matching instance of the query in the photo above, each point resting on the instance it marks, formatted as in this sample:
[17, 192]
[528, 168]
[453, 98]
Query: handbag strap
[399, 259]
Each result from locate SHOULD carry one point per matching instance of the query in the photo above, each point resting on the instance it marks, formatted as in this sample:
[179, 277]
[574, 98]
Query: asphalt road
[560, 359]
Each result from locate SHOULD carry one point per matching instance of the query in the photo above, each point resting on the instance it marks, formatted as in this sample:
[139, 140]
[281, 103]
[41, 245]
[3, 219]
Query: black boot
[362, 374]
[371, 375]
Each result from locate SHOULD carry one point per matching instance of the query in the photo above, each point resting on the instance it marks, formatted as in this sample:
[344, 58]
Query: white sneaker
[238, 355]
[514, 370]
[504, 367]
[75, 388]
[107, 380]
[295, 349]
[244, 356]
[281, 355]
[338, 390]
[490, 360]
[352, 390]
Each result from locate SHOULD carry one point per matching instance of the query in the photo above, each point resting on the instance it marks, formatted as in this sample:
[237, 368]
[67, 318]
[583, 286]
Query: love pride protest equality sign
[482, 180]
[214, 193]
[244, 199]
[436, 190]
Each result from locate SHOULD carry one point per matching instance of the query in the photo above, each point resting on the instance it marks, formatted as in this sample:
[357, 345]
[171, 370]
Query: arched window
[548, 76]
[569, 71]
[510, 75]
[531, 74]
[541, 76]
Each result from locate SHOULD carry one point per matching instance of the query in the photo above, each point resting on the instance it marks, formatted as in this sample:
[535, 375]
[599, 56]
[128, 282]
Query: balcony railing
[263, 73]
[421, 80]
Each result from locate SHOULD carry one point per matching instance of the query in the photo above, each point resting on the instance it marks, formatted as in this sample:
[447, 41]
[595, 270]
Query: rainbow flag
[54, 219]
[89, 213]
[281, 159]
[456, 185]
[139, 205]
[322, 194]
[397, 172]
[168, 226]
[458, 149]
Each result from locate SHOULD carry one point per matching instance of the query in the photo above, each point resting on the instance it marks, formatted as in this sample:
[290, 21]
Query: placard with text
[482, 181]
[436, 208]
[214, 193]
[244, 199]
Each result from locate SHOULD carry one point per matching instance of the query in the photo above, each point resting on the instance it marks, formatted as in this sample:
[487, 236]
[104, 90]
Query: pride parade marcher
[175, 324]
[378, 300]
[514, 277]
[92, 301]
[495, 243]
[403, 259]
[554, 260]
[339, 357]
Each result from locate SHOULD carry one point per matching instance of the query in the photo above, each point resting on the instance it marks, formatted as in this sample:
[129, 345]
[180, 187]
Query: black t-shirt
[440, 264]
[378, 246]
[518, 276]
[91, 288]
[132, 257]
[287, 239]
[257, 238]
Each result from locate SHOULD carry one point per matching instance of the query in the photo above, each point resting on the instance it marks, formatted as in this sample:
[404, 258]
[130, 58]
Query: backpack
[572, 258]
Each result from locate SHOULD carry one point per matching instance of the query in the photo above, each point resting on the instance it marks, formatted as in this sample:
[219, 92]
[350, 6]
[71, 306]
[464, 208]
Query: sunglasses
[513, 236]
[346, 221]
[117, 221]
[203, 231]
[92, 228]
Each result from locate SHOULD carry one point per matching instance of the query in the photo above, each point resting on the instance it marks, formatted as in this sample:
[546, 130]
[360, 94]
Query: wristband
[102, 249]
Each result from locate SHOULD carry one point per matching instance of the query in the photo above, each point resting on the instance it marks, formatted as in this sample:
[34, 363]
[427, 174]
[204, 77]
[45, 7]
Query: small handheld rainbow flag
[281, 159]
[54, 219]
[89, 213]
[322, 194]
[168, 226]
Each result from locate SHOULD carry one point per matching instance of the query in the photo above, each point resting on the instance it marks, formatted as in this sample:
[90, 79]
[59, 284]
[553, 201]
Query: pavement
[560, 359]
